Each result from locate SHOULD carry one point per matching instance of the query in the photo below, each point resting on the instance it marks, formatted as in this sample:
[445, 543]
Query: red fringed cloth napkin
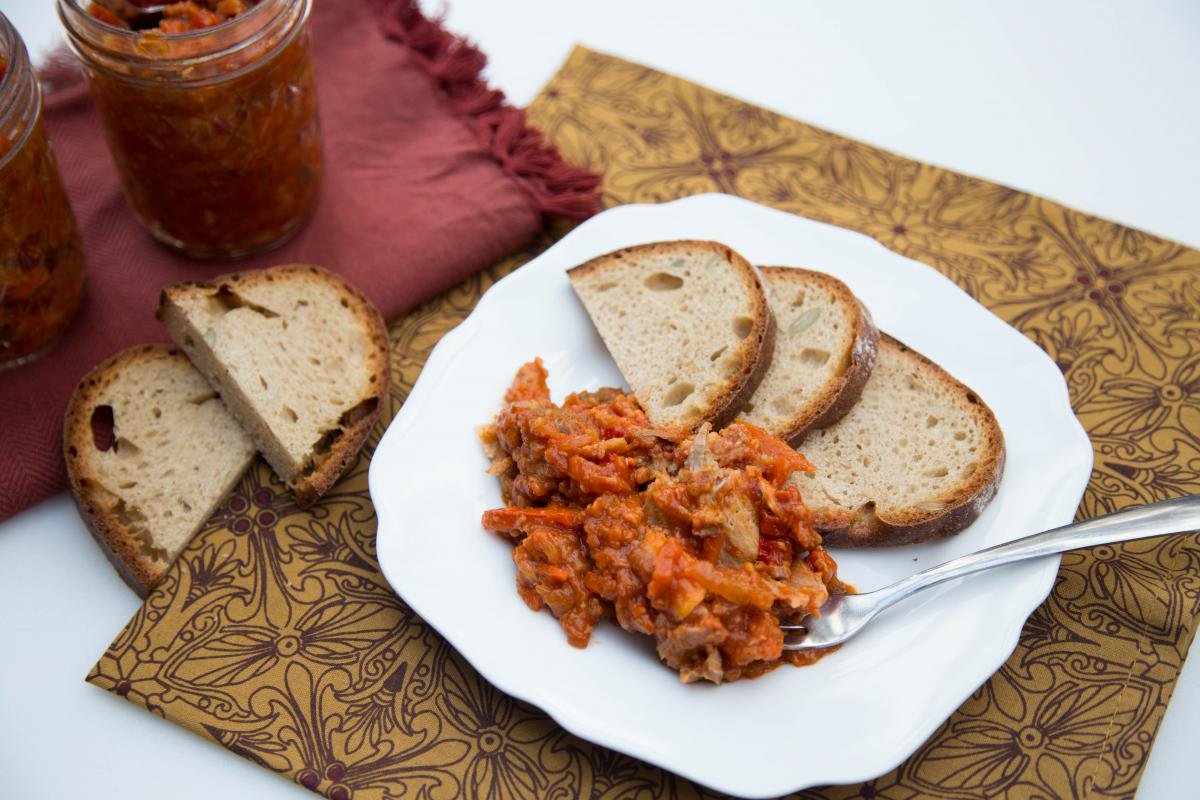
[430, 176]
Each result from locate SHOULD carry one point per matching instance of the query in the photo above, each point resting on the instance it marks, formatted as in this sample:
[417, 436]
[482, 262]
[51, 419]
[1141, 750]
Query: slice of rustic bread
[299, 357]
[918, 457]
[688, 324]
[150, 452]
[824, 353]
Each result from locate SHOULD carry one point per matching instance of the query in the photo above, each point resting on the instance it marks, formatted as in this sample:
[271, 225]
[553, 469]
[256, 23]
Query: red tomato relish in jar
[211, 118]
[178, 17]
[41, 257]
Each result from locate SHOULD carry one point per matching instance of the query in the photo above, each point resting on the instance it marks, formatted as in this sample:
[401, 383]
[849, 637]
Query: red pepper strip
[521, 520]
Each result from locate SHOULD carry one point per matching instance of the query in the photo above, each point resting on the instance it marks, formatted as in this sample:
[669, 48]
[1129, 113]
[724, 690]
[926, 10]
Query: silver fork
[843, 615]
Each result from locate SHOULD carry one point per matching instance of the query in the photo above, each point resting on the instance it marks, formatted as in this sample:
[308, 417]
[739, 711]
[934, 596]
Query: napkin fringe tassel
[455, 65]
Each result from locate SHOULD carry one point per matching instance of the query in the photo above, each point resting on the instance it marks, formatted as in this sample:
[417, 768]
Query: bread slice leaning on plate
[299, 357]
[824, 353]
[150, 451]
[919, 457]
[688, 324]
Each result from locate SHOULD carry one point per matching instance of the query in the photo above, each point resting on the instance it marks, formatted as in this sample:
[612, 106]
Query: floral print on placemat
[276, 635]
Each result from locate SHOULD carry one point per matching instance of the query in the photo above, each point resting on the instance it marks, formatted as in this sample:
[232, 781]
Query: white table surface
[1091, 103]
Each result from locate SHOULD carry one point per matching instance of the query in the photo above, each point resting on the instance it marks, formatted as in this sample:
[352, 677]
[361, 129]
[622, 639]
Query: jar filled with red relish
[210, 113]
[41, 258]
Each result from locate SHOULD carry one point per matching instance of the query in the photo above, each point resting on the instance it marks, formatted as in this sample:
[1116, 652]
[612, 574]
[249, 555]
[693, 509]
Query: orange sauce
[698, 540]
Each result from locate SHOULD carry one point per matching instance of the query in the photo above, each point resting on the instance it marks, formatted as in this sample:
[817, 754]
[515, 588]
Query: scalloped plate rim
[1039, 575]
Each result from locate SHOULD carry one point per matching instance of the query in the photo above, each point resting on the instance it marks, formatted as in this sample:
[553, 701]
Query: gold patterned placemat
[276, 636]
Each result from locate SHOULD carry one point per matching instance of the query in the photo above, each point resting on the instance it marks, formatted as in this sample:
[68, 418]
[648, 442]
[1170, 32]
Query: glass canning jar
[41, 257]
[214, 129]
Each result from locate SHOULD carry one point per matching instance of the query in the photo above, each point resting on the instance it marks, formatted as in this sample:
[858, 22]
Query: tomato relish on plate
[698, 540]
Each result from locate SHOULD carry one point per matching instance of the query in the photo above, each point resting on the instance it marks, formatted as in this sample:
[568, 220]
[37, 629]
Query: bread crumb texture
[294, 356]
[155, 448]
[680, 319]
[917, 443]
[817, 319]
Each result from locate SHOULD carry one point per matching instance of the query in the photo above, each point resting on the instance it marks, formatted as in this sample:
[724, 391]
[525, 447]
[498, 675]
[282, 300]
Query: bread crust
[122, 548]
[310, 489]
[835, 402]
[759, 344]
[867, 528]
[736, 400]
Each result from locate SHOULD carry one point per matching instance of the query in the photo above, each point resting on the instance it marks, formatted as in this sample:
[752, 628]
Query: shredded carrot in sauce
[697, 539]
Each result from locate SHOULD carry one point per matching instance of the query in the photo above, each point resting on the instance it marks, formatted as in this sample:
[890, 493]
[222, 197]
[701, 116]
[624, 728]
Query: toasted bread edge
[122, 549]
[837, 401]
[873, 530]
[309, 490]
[759, 343]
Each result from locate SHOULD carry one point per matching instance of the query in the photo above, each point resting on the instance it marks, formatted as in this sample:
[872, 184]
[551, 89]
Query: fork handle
[1178, 515]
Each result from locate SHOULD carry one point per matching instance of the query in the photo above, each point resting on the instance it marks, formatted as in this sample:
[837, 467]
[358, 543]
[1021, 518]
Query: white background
[1094, 104]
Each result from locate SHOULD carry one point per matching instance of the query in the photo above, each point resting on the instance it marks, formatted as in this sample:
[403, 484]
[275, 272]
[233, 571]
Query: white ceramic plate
[853, 715]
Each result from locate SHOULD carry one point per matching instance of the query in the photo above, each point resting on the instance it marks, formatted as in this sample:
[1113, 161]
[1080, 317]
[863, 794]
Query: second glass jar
[214, 131]
[41, 256]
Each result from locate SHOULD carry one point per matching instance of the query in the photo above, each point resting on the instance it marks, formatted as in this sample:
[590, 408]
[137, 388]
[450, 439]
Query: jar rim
[97, 42]
[12, 49]
[195, 33]
[20, 94]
